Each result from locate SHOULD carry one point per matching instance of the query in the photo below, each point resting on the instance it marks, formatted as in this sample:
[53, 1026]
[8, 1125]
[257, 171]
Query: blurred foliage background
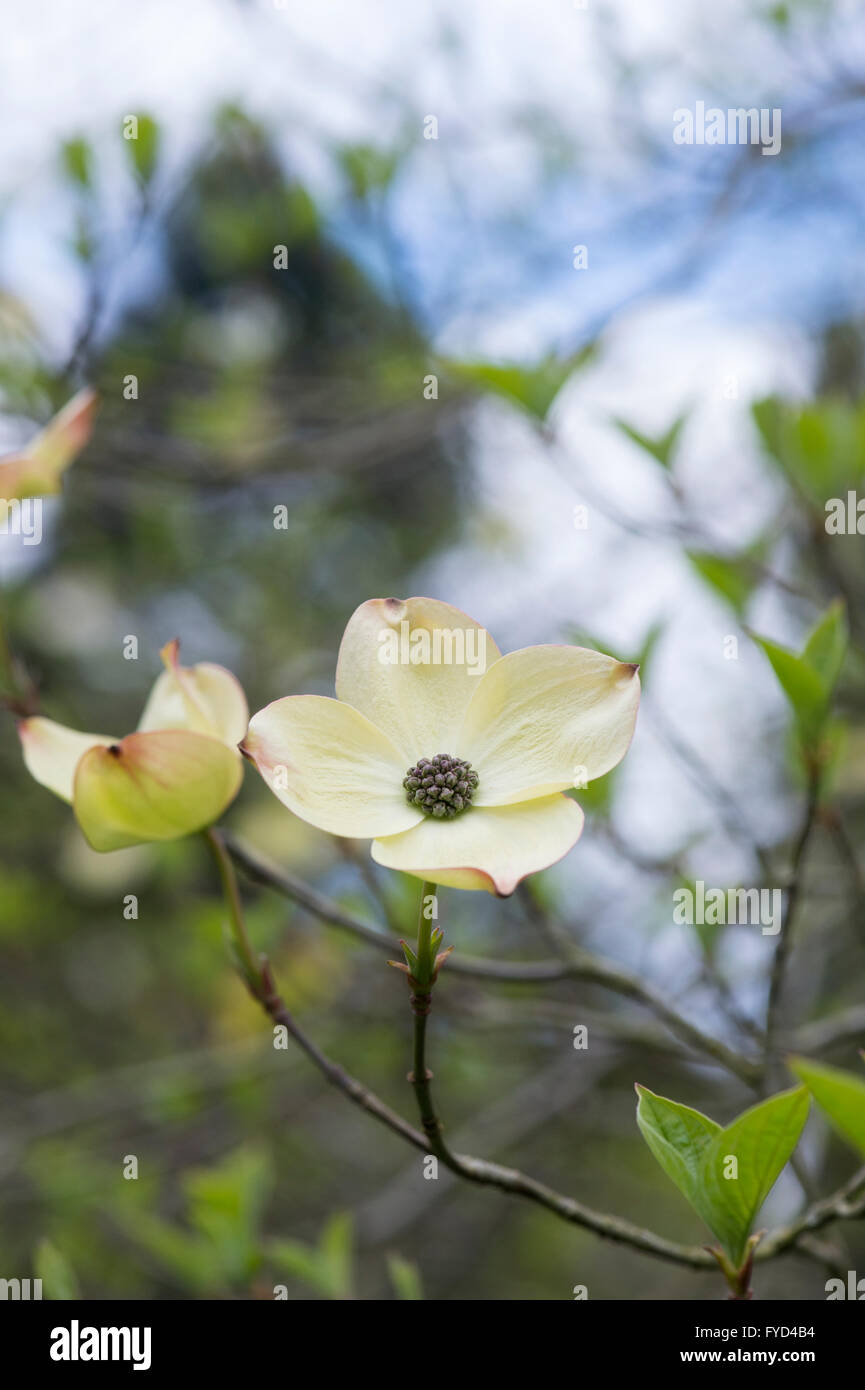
[704, 481]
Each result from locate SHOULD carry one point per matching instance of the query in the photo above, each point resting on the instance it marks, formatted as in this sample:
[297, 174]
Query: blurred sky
[497, 75]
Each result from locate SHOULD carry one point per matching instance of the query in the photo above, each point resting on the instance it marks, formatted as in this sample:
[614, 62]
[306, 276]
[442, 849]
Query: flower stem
[421, 982]
[421, 1002]
[848, 1203]
[424, 922]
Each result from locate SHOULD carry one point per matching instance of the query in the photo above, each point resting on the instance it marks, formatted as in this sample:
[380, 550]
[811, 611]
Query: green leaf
[727, 577]
[187, 1257]
[678, 1137]
[405, 1278]
[76, 157]
[301, 1262]
[826, 645]
[801, 684]
[808, 679]
[368, 170]
[225, 1206]
[819, 446]
[58, 1278]
[661, 447]
[708, 934]
[696, 1154]
[337, 1253]
[327, 1267]
[143, 151]
[839, 1094]
[532, 388]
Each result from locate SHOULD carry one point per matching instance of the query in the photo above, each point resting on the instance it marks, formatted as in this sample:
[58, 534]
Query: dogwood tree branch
[262, 986]
[846, 1026]
[574, 964]
[785, 936]
[848, 1203]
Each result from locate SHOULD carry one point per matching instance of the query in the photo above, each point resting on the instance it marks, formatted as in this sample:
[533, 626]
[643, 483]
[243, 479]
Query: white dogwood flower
[174, 775]
[449, 756]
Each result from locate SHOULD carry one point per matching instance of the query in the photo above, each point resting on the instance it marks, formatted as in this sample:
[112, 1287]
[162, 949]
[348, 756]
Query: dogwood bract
[38, 469]
[451, 757]
[176, 774]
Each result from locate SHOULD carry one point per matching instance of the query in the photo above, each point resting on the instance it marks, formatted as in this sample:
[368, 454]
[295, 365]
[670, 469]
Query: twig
[259, 981]
[849, 857]
[263, 988]
[846, 1204]
[785, 936]
[824, 1033]
[577, 965]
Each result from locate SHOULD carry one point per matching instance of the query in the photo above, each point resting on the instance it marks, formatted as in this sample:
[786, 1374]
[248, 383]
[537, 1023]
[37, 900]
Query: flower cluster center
[442, 786]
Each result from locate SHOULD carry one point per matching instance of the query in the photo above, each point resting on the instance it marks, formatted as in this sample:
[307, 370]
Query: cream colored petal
[329, 765]
[489, 848]
[153, 786]
[545, 719]
[412, 666]
[38, 469]
[52, 752]
[206, 699]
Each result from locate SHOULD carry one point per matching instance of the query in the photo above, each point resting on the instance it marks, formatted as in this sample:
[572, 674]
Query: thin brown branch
[848, 1203]
[785, 936]
[479, 1171]
[577, 964]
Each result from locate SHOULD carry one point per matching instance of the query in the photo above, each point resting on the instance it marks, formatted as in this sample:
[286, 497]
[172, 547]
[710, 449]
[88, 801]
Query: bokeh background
[696, 387]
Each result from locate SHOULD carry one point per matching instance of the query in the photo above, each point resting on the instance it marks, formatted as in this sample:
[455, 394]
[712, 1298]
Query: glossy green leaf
[725, 1174]
[839, 1094]
[678, 1137]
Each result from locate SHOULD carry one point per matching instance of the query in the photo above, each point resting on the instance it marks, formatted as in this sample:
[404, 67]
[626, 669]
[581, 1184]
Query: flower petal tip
[170, 654]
